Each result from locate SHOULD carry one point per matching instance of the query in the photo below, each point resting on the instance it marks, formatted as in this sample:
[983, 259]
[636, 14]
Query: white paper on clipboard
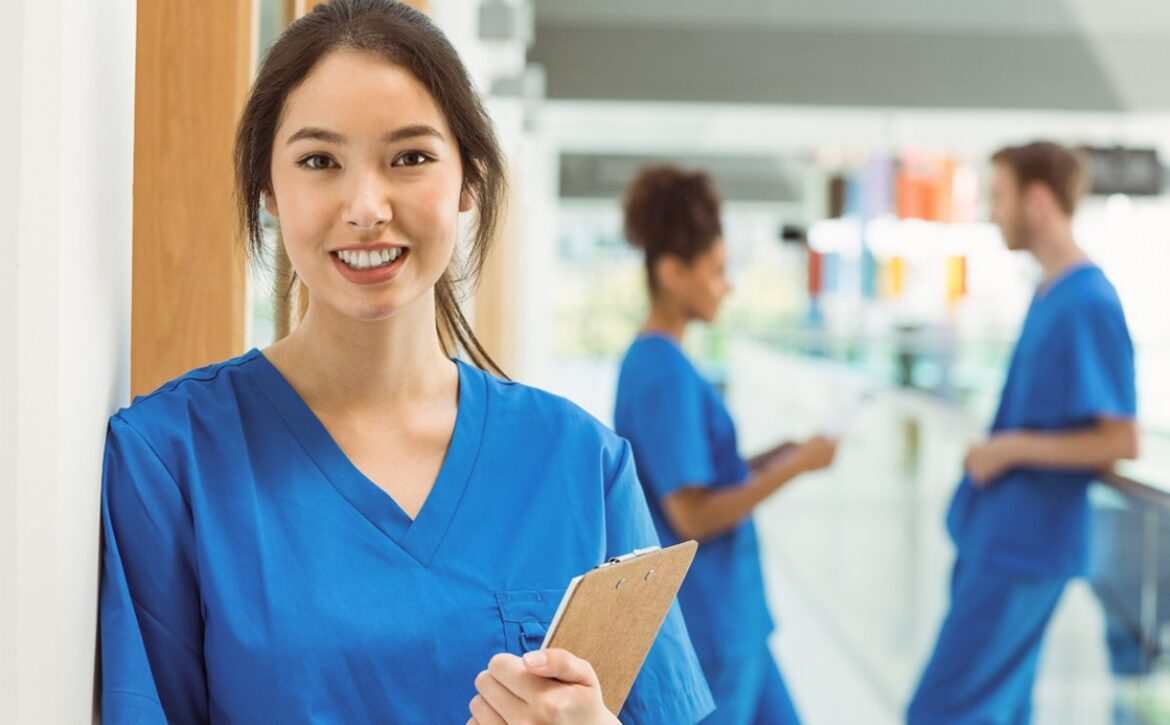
[552, 627]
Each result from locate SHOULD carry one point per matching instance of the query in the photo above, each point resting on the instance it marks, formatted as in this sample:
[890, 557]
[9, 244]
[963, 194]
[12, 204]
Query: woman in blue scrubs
[350, 526]
[684, 444]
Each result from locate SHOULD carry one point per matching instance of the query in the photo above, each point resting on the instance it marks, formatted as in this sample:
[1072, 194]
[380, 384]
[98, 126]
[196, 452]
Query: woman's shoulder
[656, 355]
[655, 365]
[523, 418]
[533, 412]
[205, 391]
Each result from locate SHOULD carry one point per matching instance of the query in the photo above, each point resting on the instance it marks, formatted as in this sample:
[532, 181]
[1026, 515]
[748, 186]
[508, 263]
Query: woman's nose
[370, 208]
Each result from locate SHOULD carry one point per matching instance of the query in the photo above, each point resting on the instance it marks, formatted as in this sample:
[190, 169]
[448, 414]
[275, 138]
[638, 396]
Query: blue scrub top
[682, 435]
[253, 574]
[1072, 365]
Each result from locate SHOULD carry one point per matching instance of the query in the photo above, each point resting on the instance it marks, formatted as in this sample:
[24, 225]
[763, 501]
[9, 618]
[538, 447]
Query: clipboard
[611, 615]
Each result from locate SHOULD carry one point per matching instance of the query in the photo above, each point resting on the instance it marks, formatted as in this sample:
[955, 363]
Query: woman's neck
[666, 319]
[337, 363]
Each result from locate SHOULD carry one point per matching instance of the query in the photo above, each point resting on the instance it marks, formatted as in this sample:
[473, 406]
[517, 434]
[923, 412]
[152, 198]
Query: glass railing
[1131, 580]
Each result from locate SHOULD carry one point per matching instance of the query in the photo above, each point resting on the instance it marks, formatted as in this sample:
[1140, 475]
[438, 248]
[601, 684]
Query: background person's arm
[1095, 448]
[759, 462]
[700, 512]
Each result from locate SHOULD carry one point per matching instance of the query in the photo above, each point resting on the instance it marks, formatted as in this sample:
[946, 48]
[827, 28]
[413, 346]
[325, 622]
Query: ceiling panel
[1008, 16]
[842, 68]
[1002, 54]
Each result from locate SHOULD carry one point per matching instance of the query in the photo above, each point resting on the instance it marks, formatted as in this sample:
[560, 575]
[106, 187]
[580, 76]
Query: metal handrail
[1132, 487]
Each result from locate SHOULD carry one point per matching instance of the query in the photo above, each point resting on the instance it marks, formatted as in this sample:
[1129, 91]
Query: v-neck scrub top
[1073, 364]
[682, 435]
[252, 574]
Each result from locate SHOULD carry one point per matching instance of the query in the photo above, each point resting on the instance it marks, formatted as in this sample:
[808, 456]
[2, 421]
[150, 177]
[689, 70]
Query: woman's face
[701, 285]
[368, 186]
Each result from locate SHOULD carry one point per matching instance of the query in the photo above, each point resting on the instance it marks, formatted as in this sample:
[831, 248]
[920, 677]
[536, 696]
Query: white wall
[67, 115]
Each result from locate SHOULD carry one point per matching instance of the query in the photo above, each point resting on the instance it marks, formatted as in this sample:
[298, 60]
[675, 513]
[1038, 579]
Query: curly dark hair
[671, 212]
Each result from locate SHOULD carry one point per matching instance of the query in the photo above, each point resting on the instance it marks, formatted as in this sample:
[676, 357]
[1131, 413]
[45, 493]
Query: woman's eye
[412, 158]
[316, 162]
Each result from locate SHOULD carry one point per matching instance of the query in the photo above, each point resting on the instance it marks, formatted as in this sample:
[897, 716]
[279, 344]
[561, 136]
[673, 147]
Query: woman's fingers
[559, 664]
[507, 703]
[511, 672]
[483, 714]
[542, 687]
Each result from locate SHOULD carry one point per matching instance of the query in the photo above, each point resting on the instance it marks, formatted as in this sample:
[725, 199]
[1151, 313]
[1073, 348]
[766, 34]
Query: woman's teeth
[369, 259]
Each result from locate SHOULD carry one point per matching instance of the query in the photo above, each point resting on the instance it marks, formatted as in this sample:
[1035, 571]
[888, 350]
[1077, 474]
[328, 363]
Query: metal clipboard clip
[632, 555]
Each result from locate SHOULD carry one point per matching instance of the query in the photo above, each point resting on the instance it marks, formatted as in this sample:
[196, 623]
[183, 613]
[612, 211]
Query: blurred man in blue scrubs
[1020, 516]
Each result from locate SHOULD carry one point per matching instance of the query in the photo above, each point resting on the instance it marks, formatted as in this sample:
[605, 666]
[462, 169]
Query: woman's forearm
[702, 513]
[764, 460]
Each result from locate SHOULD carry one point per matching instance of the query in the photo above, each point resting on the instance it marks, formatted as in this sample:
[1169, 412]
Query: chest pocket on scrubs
[526, 616]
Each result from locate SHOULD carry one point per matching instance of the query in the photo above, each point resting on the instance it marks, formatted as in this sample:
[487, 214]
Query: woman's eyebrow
[412, 132]
[316, 134]
[406, 132]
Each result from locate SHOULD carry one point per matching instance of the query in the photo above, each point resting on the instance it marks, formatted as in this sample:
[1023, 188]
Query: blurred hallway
[858, 561]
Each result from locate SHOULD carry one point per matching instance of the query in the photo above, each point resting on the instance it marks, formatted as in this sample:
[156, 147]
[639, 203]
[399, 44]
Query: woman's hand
[768, 458]
[545, 686]
[816, 453]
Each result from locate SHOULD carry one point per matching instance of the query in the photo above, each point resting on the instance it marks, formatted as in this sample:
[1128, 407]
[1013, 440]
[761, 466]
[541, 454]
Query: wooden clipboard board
[611, 615]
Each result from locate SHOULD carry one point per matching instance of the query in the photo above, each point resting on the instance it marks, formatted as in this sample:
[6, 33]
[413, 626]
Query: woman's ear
[270, 202]
[466, 200]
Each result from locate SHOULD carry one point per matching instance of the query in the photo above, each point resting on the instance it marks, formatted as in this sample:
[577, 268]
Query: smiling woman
[433, 83]
[351, 525]
[341, 183]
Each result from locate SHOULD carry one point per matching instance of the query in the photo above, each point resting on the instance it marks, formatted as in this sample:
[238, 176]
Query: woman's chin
[369, 310]
[382, 306]
[381, 310]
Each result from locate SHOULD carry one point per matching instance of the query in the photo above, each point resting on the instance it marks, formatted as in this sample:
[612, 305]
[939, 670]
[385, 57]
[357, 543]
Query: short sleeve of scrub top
[1099, 364]
[665, 406]
[252, 574]
[152, 640]
[630, 527]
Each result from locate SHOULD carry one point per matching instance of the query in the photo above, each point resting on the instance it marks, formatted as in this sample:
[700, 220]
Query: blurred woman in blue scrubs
[685, 446]
[350, 526]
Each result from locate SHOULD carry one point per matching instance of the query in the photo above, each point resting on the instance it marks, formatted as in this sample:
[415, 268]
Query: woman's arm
[699, 512]
[763, 460]
[151, 620]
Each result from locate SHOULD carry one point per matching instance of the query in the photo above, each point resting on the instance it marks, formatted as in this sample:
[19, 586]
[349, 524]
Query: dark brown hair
[669, 211]
[1063, 170]
[403, 37]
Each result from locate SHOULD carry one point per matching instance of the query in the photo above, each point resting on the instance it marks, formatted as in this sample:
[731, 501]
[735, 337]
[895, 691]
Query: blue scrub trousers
[984, 663]
[750, 691]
